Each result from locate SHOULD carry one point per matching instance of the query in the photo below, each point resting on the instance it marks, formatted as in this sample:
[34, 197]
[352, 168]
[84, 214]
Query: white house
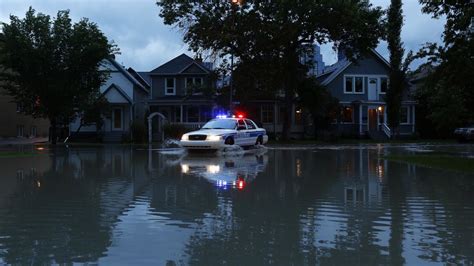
[127, 97]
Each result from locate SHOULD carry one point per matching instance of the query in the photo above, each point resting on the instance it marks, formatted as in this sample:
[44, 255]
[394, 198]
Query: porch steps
[112, 137]
[377, 135]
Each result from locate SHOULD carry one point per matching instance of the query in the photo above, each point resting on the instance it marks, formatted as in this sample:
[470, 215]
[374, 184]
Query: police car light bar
[221, 116]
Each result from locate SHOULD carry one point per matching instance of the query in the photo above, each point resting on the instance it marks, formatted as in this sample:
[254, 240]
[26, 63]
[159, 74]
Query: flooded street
[128, 205]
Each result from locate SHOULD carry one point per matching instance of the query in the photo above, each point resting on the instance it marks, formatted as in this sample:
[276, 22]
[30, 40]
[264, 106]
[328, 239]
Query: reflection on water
[123, 205]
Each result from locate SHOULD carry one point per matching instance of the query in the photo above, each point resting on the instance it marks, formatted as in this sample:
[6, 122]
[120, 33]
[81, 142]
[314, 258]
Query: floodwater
[337, 205]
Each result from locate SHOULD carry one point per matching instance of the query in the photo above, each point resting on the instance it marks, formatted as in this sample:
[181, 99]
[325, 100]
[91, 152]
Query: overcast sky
[145, 42]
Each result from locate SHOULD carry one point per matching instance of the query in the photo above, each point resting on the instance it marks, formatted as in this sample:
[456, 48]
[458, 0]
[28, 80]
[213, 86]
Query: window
[19, 107]
[20, 130]
[383, 85]
[354, 84]
[267, 114]
[404, 118]
[347, 113]
[359, 84]
[33, 131]
[250, 124]
[241, 125]
[348, 85]
[117, 118]
[170, 86]
[193, 114]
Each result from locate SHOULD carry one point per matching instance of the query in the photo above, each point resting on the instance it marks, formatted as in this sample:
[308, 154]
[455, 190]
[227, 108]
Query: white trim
[113, 119]
[408, 115]
[166, 86]
[195, 63]
[353, 83]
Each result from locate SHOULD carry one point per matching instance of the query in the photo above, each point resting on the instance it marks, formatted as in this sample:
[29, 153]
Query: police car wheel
[259, 141]
[229, 141]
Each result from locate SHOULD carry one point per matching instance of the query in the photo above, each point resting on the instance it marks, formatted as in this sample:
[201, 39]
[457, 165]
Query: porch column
[414, 120]
[360, 119]
[181, 113]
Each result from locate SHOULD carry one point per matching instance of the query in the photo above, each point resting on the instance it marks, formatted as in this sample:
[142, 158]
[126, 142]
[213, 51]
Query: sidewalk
[19, 141]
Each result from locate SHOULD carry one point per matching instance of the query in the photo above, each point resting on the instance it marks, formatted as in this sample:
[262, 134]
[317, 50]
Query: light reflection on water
[123, 205]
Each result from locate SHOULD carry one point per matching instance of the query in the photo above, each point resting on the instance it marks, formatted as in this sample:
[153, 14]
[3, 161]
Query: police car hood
[211, 132]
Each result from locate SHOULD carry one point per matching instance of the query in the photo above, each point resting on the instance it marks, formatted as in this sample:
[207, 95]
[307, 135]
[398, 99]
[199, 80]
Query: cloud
[145, 42]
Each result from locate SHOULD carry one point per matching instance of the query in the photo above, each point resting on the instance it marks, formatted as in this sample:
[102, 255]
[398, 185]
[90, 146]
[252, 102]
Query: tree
[447, 97]
[274, 32]
[319, 102]
[55, 65]
[397, 72]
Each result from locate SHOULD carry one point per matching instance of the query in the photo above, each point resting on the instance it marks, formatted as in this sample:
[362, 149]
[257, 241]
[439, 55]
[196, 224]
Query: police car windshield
[220, 124]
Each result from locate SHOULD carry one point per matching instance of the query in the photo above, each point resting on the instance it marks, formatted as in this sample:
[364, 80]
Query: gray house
[177, 91]
[361, 87]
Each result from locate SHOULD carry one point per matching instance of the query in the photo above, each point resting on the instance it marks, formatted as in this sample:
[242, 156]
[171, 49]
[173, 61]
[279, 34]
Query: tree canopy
[447, 97]
[273, 33]
[54, 63]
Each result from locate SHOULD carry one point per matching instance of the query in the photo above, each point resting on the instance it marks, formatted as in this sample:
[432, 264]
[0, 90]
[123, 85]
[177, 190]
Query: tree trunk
[53, 131]
[286, 134]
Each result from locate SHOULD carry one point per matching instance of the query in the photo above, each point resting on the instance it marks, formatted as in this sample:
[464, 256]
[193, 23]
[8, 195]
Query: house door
[117, 119]
[372, 88]
[372, 119]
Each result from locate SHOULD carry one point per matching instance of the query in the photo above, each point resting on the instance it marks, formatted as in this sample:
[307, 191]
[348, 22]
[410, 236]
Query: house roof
[140, 78]
[129, 76]
[120, 91]
[177, 65]
[332, 71]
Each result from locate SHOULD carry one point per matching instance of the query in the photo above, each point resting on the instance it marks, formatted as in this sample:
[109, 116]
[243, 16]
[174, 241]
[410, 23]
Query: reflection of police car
[226, 172]
[223, 131]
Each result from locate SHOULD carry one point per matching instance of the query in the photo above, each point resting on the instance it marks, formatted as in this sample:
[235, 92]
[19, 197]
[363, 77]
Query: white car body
[245, 133]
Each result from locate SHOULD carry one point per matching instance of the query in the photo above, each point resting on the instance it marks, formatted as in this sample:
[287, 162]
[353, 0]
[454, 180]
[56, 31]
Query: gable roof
[120, 91]
[177, 65]
[139, 78]
[332, 71]
[127, 74]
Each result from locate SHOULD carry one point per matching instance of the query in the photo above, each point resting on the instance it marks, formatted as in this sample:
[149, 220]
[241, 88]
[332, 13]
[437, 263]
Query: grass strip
[438, 161]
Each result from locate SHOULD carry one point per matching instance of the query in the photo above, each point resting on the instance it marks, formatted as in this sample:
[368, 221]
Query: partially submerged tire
[259, 141]
[229, 141]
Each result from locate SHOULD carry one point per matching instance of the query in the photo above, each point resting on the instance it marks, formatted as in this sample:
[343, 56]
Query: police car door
[252, 132]
[241, 138]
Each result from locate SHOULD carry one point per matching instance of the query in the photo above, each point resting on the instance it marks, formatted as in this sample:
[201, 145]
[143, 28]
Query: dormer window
[170, 86]
[197, 82]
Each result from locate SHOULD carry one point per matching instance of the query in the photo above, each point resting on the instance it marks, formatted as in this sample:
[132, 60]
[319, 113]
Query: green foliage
[448, 93]
[174, 131]
[397, 83]
[54, 63]
[268, 36]
[319, 102]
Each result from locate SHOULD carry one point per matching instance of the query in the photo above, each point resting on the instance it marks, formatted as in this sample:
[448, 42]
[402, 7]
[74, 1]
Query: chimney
[198, 59]
[340, 54]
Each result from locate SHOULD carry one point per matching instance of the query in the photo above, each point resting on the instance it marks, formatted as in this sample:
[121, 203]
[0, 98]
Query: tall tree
[274, 32]
[55, 65]
[397, 73]
[447, 97]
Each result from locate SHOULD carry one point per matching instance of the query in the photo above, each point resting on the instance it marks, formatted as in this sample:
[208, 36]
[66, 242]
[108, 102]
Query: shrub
[175, 131]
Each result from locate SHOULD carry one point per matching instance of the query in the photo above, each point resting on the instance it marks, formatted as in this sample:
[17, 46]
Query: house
[178, 91]
[127, 97]
[361, 87]
[15, 124]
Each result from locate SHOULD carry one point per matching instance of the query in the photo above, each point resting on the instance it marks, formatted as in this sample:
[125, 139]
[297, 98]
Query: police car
[222, 131]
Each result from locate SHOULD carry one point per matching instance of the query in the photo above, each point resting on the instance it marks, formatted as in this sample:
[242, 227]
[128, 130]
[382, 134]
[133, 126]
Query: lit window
[299, 116]
[347, 114]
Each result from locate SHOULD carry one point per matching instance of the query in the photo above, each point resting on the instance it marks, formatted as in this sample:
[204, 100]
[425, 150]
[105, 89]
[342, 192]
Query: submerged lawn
[440, 161]
[12, 154]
